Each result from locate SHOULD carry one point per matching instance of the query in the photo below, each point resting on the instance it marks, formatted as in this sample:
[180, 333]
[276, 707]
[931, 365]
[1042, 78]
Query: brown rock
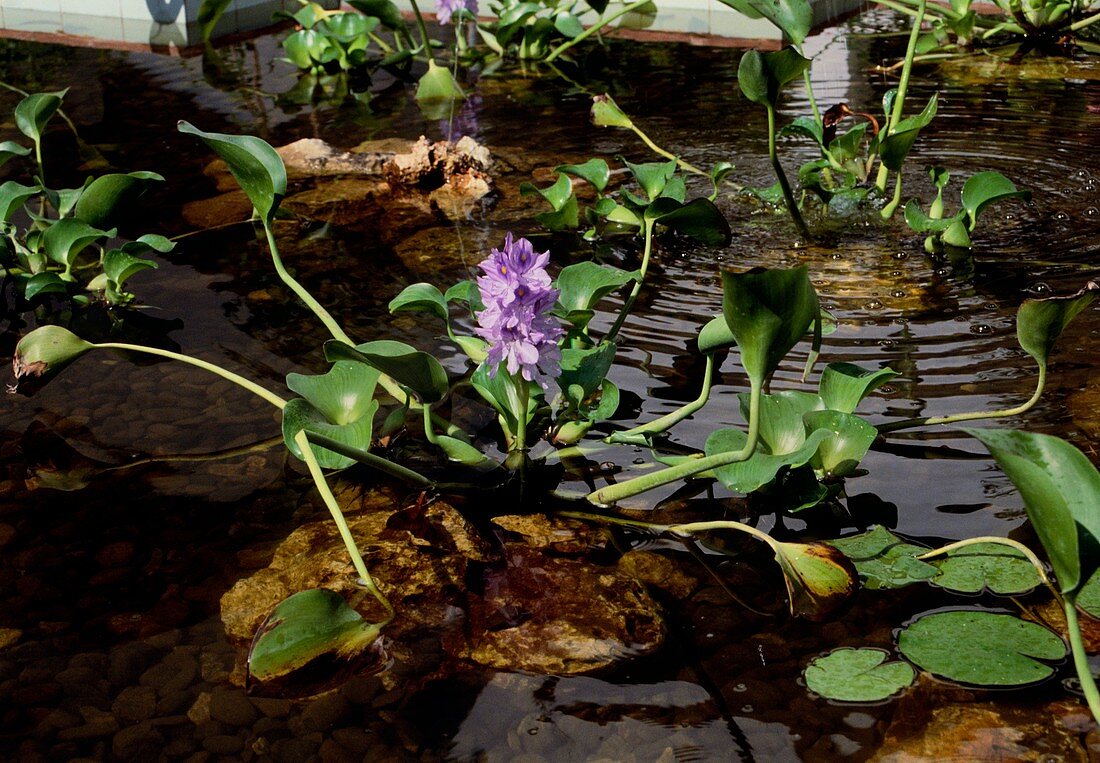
[658, 571]
[543, 532]
[560, 616]
[9, 637]
[135, 703]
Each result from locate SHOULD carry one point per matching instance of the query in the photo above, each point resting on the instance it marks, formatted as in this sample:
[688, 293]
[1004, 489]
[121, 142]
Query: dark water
[113, 584]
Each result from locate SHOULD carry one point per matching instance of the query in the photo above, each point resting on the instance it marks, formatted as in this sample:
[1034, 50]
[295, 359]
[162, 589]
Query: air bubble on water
[746, 708]
[887, 342]
[898, 293]
[942, 271]
[836, 256]
[1040, 287]
[981, 328]
[639, 460]
[895, 273]
[1061, 217]
[1092, 212]
[741, 687]
[874, 304]
[1081, 174]
[886, 389]
[901, 255]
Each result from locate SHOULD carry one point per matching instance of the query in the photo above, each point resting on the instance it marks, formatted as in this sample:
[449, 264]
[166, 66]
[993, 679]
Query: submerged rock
[514, 608]
[559, 616]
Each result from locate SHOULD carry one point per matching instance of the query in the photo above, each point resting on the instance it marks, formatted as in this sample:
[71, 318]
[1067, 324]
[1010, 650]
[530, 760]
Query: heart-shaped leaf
[586, 368]
[819, 578]
[421, 297]
[768, 312]
[13, 196]
[299, 415]
[1061, 492]
[67, 238]
[699, 219]
[47, 350]
[44, 283]
[108, 195]
[782, 429]
[896, 146]
[995, 567]
[33, 112]
[987, 188]
[418, 371]
[761, 76]
[793, 17]
[255, 165]
[844, 385]
[306, 627]
[848, 440]
[582, 285]
[857, 675]
[763, 466]
[339, 404]
[919, 222]
[595, 171]
[119, 265]
[499, 391]
[981, 648]
[1039, 322]
[884, 560]
[652, 176]
[438, 84]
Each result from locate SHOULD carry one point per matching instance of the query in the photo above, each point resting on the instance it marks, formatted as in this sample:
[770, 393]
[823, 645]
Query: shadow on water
[132, 497]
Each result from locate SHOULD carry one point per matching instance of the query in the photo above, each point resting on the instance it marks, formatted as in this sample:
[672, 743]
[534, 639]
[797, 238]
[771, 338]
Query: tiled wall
[173, 22]
[145, 22]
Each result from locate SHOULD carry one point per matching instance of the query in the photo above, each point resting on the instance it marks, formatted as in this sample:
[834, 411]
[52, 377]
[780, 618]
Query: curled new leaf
[606, 113]
[47, 350]
[1040, 322]
[820, 579]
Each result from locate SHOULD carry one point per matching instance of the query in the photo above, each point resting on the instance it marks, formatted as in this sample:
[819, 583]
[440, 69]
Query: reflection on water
[122, 572]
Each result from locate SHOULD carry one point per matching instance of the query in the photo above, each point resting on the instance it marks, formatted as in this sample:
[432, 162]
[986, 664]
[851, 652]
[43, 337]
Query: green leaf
[210, 12]
[149, 242]
[957, 234]
[699, 219]
[304, 628]
[561, 198]
[418, 371]
[793, 17]
[463, 452]
[33, 112]
[981, 648]
[44, 283]
[987, 188]
[652, 176]
[383, 10]
[67, 238]
[47, 350]
[995, 567]
[857, 675]
[101, 202]
[819, 578]
[10, 148]
[119, 266]
[781, 426]
[438, 84]
[884, 560]
[595, 171]
[805, 126]
[848, 440]
[762, 75]
[421, 297]
[568, 24]
[1039, 322]
[1061, 492]
[844, 385]
[768, 312]
[339, 404]
[606, 113]
[586, 368]
[582, 285]
[919, 222]
[255, 165]
[13, 196]
[499, 391]
[1088, 598]
[299, 414]
[715, 335]
[763, 466]
[895, 147]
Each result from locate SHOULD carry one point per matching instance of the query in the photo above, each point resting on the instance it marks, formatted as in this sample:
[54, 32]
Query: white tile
[42, 6]
[730, 23]
[161, 11]
[23, 20]
[85, 25]
[692, 21]
[89, 7]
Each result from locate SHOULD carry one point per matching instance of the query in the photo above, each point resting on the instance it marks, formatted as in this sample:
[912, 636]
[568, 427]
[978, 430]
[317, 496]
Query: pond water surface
[109, 586]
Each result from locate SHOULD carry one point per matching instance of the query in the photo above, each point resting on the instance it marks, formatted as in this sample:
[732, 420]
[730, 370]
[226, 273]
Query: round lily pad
[995, 567]
[857, 675]
[982, 648]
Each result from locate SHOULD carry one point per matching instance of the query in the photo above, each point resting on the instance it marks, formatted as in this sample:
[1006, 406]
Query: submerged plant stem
[240, 381]
[341, 524]
[688, 528]
[316, 307]
[785, 186]
[894, 426]
[1080, 656]
[595, 28]
[424, 39]
[613, 493]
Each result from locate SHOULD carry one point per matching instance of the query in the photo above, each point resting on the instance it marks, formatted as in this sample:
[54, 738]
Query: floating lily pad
[994, 567]
[982, 648]
[857, 675]
[884, 560]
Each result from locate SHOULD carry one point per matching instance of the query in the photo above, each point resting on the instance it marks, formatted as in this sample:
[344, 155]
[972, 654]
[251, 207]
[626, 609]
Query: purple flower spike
[516, 321]
[444, 9]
